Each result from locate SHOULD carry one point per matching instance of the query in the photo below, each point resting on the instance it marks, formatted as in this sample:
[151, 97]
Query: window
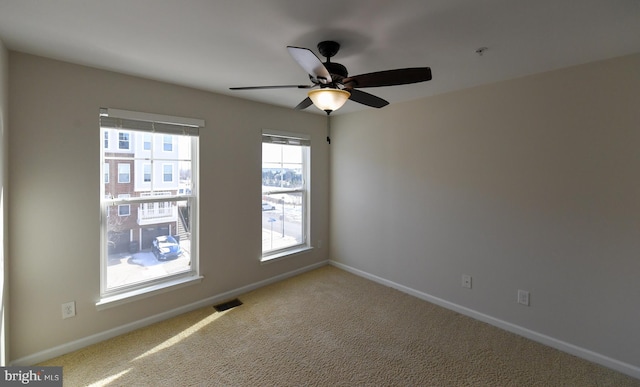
[106, 140]
[167, 172]
[124, 173]
[124, 209]
[148, 226]
[285, 195]
[123, 140]
[147, 141]
[147, 173]
[167, 142]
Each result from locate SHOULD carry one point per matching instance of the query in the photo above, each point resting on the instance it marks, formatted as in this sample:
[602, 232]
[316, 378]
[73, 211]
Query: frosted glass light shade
[329, 99]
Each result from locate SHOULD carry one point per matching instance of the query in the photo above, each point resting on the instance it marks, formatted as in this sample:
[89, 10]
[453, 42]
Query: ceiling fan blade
[389, 77]
[272, 87]
[304, 104]
[366, 98]
[311, 64]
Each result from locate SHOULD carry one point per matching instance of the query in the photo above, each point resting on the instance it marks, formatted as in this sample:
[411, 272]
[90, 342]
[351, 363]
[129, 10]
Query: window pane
[282, 166]
[282, 221]
[153, 242]
[148, 236]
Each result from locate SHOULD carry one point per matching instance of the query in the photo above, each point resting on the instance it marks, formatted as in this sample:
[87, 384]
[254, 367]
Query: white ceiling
[216, 44]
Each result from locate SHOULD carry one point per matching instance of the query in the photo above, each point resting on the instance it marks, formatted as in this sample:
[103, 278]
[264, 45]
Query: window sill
[285, 254]
[152, 290]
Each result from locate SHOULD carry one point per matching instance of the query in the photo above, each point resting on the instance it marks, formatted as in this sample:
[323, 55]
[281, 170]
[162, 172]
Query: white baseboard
[98, 337]
[583, 353]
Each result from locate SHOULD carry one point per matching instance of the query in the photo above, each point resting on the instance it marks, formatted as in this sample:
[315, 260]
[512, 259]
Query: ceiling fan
[333, 84]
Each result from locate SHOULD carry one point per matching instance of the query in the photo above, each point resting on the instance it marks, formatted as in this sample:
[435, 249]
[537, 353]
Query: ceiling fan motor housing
[328, 48]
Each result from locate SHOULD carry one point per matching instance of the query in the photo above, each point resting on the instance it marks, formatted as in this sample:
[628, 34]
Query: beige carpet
[328, 328]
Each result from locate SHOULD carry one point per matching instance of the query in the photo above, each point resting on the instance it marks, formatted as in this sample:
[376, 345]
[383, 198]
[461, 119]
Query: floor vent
[227, 305]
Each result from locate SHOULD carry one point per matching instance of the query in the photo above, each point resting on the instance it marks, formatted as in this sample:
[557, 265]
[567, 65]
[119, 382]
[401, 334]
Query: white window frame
[143, 122]
[304, 140]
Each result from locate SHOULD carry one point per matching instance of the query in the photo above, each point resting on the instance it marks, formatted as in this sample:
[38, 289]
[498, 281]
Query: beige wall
[531, 184]
[55, 177]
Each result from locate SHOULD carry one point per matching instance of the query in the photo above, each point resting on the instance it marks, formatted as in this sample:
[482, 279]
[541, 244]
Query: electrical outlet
[68, 309]
[523, 297]
[466, 281]
[319, 243]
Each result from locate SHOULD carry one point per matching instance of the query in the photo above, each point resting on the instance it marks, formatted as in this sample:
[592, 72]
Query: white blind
[149, 122]
[286, 138]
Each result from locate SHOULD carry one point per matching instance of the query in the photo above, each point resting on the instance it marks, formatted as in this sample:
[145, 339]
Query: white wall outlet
[68, 309]
[523, 297]
[466, 281]
[319, 243]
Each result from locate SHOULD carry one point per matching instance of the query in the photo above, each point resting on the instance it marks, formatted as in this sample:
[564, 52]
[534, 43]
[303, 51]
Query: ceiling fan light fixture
[329, 100]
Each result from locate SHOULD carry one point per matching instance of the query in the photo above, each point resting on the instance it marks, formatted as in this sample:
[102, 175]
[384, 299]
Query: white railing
[149, 213]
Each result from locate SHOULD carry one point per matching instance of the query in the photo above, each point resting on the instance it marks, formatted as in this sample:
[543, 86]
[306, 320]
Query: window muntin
[285, 169]
[134, 213]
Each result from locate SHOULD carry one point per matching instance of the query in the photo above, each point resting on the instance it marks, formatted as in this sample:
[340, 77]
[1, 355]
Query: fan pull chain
[328, 127]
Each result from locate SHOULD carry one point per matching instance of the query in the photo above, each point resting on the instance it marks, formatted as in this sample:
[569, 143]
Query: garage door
[151, 232]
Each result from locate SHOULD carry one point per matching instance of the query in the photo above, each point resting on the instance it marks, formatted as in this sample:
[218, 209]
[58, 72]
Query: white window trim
[122, 206]
[132, 292]
[305, 246]
[151, 290]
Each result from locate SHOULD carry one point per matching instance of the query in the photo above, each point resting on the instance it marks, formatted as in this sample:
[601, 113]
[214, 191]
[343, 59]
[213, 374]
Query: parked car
[267, 207]
[165, 247]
